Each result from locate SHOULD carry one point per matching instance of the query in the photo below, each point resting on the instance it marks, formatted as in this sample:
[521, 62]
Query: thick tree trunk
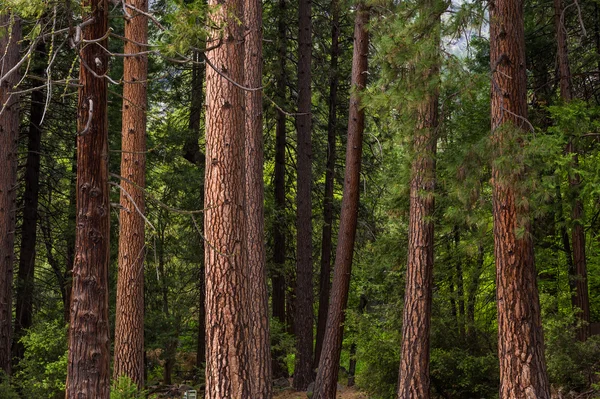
[10, 35]
[329, 365]
[325, 277]
[88, 371]
[279, 245]
[580, 295]
[258, 300]
[414, 355]
[520, 339]
[227, 364]
[25, 276]
[129, 318]
[303, 320]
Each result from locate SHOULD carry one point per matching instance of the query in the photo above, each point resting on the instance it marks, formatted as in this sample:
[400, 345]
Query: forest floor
[344, 393]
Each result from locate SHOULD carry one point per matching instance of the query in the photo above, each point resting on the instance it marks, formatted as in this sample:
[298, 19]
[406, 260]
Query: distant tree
[88, 372]
[416, 319]
[327, 376]
[10, 35]
[303, 320]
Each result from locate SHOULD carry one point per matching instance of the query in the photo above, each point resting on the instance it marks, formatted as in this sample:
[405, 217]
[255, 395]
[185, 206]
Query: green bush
[43, 370]
[125, 388]
[7, 391]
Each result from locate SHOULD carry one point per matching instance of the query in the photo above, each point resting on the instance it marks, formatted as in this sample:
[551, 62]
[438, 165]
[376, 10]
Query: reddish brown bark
[88, 372]
[10, 34]
[129, 318]
[329, 365]
[258, 297]
[578, 273]
[326, 245]
[414, 356]
[303, 320]
[25, 276]
[227, 364]
[520, 339]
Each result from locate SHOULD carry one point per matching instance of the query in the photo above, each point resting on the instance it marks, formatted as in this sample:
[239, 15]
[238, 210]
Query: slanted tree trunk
[227, 364]
[414, 355]
[10, 35]
[329, 365]
[303, 320]
[279, 224]
[258, 298]
[25, 276]
[520, 339]
[580, 296]
[129, 318]
[325, 277]
[88, 371]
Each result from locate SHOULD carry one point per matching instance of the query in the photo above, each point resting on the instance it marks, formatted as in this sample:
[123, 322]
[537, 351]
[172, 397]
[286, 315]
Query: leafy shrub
[43, 370]
[125, 388]
[7, 391]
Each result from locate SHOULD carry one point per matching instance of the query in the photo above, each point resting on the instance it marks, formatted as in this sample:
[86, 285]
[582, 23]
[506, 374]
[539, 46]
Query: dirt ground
[345, 393]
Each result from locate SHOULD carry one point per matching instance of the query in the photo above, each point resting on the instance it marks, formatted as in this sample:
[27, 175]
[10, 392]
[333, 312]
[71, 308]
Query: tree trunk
[129, 318]
[325, 277]
[303, 320]
[279, 245]
[580, 295]
[88, 371]
[227, 373]
[25, 277]
[258, 300]
[472, 295]
[414, 360]
[10, 35]
[191, 147]
[520, 339]
[329, 365]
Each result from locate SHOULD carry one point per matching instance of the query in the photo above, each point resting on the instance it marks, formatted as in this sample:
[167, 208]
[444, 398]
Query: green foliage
[7, 391]
[43, 371]
[124, 388]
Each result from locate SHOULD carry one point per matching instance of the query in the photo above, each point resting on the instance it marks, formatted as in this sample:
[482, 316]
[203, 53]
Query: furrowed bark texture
[227, 364]
[88, 372]
[129, 320]
[258, 301]
[326, 244]
[578, 273]
[520, 340]
[413, 380]
[327, 376]
[303, 321]
[10, 34]
[25, 276]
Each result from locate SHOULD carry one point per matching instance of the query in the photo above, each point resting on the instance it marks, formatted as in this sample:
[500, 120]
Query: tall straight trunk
[414, 356]
[258, 301]
[25, 276]
[278, 274]
[129, 318]
[303, 320]
[325, 277]
[520, 339]
[329, 365]
[227, 363]
[191, 147]
[580, 296]
[10, 35]
[88, 371]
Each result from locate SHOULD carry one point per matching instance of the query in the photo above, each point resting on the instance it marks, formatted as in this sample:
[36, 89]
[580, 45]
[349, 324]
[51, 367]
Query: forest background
[418, 50]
